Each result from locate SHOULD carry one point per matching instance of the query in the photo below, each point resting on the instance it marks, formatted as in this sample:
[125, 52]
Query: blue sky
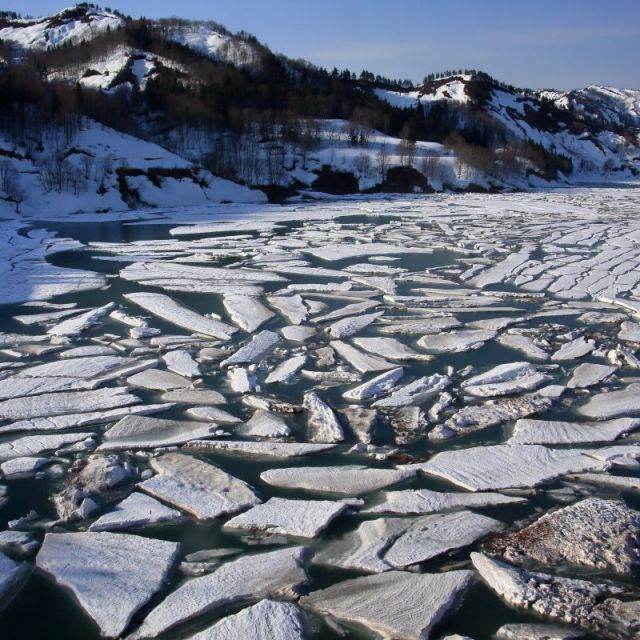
[540, 43]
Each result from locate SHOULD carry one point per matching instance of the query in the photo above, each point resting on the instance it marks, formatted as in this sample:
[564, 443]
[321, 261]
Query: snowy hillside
[70, 26]
[99, 169]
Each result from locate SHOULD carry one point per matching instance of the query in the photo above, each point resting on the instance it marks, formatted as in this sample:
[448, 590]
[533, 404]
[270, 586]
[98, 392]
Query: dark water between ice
[43, 611]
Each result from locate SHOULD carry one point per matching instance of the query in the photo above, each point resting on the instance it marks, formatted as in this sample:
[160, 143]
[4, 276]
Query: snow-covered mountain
[70, 26]
[200, 101]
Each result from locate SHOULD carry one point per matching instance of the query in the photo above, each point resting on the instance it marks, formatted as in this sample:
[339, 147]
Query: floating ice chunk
[396, 604]
[196, 487]
[433, 535]
[49, 316]
[137, 510]
[602, 534]
[72, 420]
[112, 575]
[16, 387]
[421, 326]
[324, 426]
[246, 311]
[260, 344]
[287, 370]
[297, 334]
[158, 380]
[86, 351]
[181, 362]
[523, 344]
[361, 421]
[141, 432]
[33, 446]
[271, 403]
[575, 349]
[416, 392]
[335, 252]
[349, 310]
[245, 579]
[89, 367]
[556, 432]
[348, 326]
[363, 362]
[125, 318]
[13, 575]
[507, 466]
[22, 467]
[264, 424]
[241, 381]
[299, 518]
[386, 285]
[620, 482]
[194, 396]
[629, 332]
[362, 549]
[423, 501]
[291, 307]
[389, 348]
[612, 404]
[267, 619]
[260, 449]
[168, 309]
[54, 404]
[375, 387]
[601, 608]
[455, 341]
[526, 631]
[76, 325]
[349, 480]
[212, 414]
[502, 270]
[505, 379]
[476, 417]
[346, 377]
[588, 374]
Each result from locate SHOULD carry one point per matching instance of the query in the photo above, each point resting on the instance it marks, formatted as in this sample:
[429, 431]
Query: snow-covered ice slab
[526, 631]
[22, 467]
[73, 420]
[558, 432]
[137, 510]
[287, 370]
[620, 482]
[196, 487]
[348, 326]
[421, 326]
[76, 325]
[292, 307]
[349, 480]
[376, 386]
[261, 449]
[507, 466]
[455, 341]
[33, 446]
[264, 424]
[524, 344]
[476, 417]
[359, 360]
[142, 432]
[612, 404]
[600, 608]
[573, 350]
[357, 308]
[505, 379]
[629, 332]
[267, 619]
[112, 575]
[260, 344]
[389, 348]
[247, 578]
[158, 380]
[362, 549]
[194, 396]
[182, 363]
[323, 424]
[17, 387]
[298, 518]
[55, 404]
[433, 535]
[212, 414]
[424, 501]
[12, 577]
[416, 392]
[335, 252]
[596, 533]
[588, 374]
[246, 311]
[175, 313]
[297, 333]
[395, 604]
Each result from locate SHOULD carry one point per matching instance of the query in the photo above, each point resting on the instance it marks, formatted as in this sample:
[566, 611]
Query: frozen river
[407, 418]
